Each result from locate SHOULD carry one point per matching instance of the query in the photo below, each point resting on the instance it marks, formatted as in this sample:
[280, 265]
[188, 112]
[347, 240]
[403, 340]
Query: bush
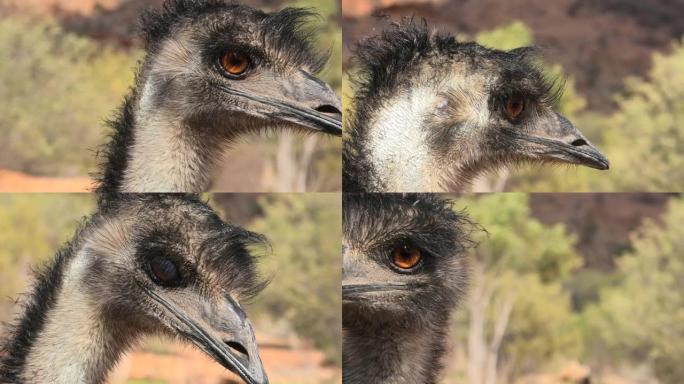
[305, 267]
[57, 88]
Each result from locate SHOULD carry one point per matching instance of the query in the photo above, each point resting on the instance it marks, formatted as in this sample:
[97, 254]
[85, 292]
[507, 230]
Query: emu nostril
[579, 143]
[237, 347]
[327, 108]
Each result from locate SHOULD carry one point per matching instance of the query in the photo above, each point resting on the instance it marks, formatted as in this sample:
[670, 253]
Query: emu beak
[360, 283]
[223, 332]
[353, 292]
[561, 141]
[300, 99]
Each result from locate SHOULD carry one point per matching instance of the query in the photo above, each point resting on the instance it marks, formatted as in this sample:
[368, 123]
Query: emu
[141, 265]
[431, 113]
[213, 72]
[404, 271]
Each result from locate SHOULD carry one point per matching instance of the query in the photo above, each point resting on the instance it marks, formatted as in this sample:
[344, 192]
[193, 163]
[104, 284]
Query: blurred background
[572, 289]
[65, 66]
[624, 62]
[297, 318]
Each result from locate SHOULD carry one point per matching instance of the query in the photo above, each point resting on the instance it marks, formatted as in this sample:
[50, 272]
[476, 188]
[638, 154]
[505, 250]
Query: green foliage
[531, 248]
[32, 228]
[305, 266]
[543, 328]
[646, 139]
[524, 262]
[507, 37]
[57, 88]
[642, 318]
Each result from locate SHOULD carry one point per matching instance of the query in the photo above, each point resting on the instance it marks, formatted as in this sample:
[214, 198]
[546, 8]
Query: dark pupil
[406, 252]
[236, 61]
[515, 106]
[164, 270]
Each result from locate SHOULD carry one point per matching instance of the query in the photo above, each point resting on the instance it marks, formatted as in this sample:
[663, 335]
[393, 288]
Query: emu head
[429, 104]
[168, 265]
[403, 262]
[226, 68]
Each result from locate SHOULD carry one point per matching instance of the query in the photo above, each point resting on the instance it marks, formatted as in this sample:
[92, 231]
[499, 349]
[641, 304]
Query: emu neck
[168, 155]
[385, 354]
[75, 344]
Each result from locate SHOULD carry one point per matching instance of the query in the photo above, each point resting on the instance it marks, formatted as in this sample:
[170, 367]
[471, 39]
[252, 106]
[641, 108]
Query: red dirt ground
[77, 6]
[11, 181]
[184, 365]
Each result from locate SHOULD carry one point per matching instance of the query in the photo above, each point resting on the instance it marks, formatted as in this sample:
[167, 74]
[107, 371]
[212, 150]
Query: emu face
[171, 266]
[497, 107]
[431, 113]
[210, 64]
[402, 261]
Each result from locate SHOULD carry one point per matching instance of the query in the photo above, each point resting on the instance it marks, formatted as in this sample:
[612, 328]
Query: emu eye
[235, 63]
[514, 107]
[164, 271]
[406, 256]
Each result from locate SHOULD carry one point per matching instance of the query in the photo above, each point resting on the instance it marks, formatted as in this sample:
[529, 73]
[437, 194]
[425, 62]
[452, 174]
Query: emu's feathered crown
[284, 31]
[373, 219]
[382, 60]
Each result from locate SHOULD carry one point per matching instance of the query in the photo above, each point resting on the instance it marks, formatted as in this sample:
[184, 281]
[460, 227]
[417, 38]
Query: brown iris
[406, 256]
[235, 63]
[515, 105]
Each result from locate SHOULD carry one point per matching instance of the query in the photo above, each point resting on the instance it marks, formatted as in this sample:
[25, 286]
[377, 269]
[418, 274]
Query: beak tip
[601, 166]
[604, 164]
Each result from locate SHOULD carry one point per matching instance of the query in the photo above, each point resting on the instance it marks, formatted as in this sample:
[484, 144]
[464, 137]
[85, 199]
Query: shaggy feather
[113, 156]
[283, 30]
[402, 338]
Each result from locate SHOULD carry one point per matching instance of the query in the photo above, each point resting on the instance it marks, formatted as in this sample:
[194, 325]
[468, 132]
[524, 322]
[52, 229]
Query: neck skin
[166, 157]
[167, 154]
[376, 355]
[75, 345]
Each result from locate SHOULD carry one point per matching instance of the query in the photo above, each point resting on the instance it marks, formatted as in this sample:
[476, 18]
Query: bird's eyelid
[388, 244]
[214, 52]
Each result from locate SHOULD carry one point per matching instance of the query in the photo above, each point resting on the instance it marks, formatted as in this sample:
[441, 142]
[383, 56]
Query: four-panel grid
[341, 191]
